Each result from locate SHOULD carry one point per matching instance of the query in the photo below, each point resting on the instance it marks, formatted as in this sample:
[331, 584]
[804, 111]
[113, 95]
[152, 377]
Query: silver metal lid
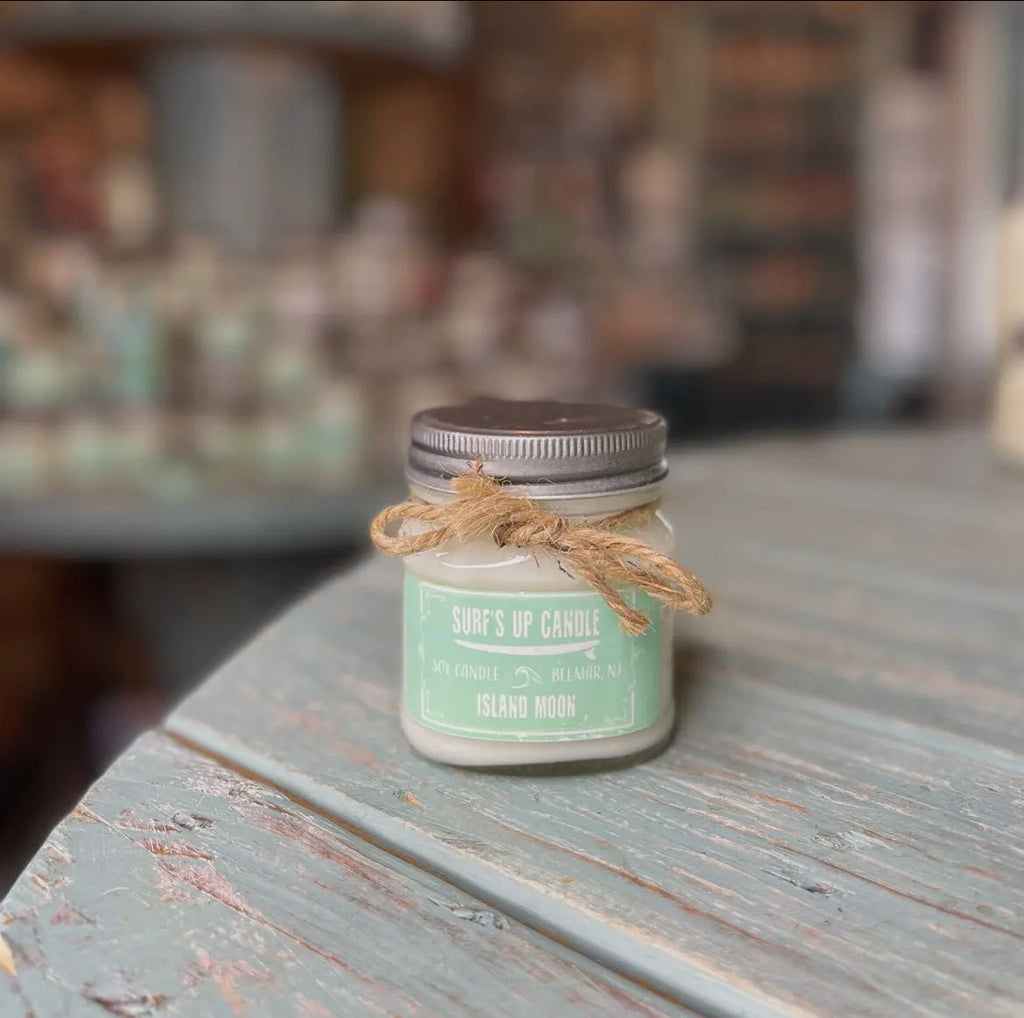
[545, 449]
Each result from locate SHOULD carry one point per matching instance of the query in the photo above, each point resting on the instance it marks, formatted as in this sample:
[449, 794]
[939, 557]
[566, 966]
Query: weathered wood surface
[180, 887]
[837, 826]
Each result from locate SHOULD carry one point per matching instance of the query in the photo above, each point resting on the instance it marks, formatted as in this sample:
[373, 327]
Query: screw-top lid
[544, 448]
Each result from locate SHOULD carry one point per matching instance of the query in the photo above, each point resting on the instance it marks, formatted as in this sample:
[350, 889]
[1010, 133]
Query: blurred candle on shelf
[38, 380]
[63, 272]
[377, 270]
[226, 339]
[555, 329]
[655, 189]
[194, 275]
[137, 349]
[300, 297]
[223, 446]
[289, 370]
[478, 315]
[23, 459]
[135, 448]
[83, 452]
[279, 449]
[128, 202]
[335, 435]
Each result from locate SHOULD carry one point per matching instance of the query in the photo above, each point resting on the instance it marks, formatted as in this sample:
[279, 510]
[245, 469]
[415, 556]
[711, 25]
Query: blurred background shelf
[435, 41]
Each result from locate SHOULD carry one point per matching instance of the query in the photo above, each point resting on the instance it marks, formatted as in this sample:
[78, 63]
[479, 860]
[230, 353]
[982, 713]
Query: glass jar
[509, 658]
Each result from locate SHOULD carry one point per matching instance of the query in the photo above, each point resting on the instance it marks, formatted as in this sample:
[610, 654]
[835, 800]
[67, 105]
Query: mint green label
[534, 667]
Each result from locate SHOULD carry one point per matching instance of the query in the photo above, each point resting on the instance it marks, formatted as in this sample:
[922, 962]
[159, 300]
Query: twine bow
[593, 551]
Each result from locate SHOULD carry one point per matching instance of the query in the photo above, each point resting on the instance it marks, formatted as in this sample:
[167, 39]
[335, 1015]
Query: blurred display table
[192, 527]
[835, 828]
[227, 562]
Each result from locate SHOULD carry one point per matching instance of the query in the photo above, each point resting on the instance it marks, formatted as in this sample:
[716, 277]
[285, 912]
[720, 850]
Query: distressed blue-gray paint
[835, 827]
[180, 887]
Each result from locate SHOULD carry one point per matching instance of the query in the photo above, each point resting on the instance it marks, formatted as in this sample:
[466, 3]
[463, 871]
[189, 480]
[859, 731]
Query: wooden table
[836, 828]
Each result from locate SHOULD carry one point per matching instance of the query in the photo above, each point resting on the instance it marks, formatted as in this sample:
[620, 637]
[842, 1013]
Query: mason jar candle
[509, 656]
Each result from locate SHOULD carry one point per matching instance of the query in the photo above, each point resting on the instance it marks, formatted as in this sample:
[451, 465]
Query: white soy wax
[509, 659]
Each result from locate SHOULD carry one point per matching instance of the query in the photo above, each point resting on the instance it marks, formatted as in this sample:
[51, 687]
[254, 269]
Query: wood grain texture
[180, 887]
[836, 827]
[849, 581]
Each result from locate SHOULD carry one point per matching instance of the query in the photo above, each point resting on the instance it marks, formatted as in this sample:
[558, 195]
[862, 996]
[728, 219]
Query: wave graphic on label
[525, 677]
[586, 648]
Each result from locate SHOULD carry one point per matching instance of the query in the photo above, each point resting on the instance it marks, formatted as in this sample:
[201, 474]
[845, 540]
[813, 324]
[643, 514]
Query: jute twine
[593, 551]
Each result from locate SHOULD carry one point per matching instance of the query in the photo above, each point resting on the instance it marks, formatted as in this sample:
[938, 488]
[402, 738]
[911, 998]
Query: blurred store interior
[241, 242]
